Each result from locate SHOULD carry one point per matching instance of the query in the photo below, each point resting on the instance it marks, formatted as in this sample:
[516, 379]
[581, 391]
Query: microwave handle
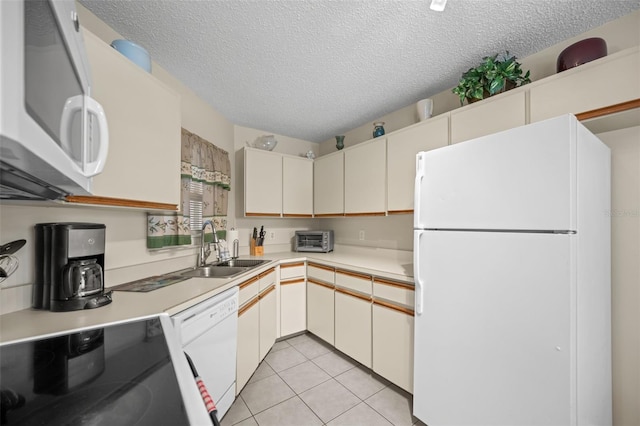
[72, 107]
[95, 109]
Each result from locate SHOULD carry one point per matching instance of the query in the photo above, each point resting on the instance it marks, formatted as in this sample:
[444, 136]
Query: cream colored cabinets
[328, 185]
[248, 349]
[365, 178]
[320, 301]
[492, 115]
[277, 185]
[257, 323]
[297, 187]
[393, 331]
[268, 311]
[143, 116]
[293, 298]
[402, 147]
[597, 84]
[353, 315]
[262, 183]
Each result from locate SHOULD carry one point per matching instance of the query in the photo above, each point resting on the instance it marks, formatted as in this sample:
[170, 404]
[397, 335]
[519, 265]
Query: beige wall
[619, 35]
[625, 277]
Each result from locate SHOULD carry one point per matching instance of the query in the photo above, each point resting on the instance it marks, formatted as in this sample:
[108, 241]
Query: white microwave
[53, 135]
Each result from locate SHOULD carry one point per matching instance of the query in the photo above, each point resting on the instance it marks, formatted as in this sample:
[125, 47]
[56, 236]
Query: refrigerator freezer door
[522, 178]
[493, 345]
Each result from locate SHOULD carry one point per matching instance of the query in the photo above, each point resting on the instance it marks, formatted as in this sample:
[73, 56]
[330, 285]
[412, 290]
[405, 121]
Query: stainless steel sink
[213, 271]
[248, 263]
[227, 269]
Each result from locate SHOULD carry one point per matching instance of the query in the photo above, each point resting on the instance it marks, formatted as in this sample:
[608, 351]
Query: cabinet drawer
[321, 272]
[354, 281]
[248, 290]
[394, 291]
[291, 270]
[267, 278]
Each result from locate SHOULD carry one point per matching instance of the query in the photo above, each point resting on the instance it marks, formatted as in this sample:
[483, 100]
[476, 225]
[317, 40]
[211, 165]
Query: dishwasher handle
[208, 401]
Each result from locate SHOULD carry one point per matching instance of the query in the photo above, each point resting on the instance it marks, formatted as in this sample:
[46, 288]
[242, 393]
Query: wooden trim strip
[119, 202]
[296, 215]
[394, 283]
[353, 293]
[319, 266]
[291, 265]
[353, 274]
[248, 305]
[321, 283]
[328, 214]
[365, 214]
[248, 282]
[263, 214]
[394, 307]
[293, 281]
[400, 211]
[611, 109]
[267, 272]
[268, 290]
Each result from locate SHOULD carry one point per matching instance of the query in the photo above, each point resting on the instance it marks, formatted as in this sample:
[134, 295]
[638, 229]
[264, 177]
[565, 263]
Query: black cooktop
[120, 374]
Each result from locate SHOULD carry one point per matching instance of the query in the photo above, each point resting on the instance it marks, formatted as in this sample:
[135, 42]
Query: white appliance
[209, 332]
[512, 273]
[53, 135]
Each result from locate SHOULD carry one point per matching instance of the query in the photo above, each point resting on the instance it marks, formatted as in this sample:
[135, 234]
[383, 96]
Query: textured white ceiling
[312, 69]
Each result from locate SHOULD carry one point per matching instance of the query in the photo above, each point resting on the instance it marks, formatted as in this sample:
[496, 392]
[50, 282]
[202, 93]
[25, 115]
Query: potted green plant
[495, 74]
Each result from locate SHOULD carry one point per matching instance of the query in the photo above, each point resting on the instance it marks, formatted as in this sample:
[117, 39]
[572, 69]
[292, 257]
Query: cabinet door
[144, 121]
[293, 306]
[248, 343]
[402, 148]
[393, 345]
[262, 183]
[603, 82]
[267, 320]
[320, 310]
[353, 326]
[328, 185]
[297, 187]
[365, 175]
[492, 115]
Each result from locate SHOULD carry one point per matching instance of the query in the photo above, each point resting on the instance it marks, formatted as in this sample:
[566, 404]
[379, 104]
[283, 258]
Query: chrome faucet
[206, 251]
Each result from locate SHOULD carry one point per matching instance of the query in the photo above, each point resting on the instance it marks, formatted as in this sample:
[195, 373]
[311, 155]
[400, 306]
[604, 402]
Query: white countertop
[384, 263]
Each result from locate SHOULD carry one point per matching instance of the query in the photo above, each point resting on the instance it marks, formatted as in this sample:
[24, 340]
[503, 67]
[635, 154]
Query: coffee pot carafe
[70, 266]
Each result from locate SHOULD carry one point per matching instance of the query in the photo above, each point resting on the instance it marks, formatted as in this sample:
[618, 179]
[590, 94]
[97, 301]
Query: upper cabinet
[328, 185]
[402, 147]
[277, 184]
[601, 83]
[262, 183]
[365, 174]
[297, 187]
[505, 111]
[144, 121]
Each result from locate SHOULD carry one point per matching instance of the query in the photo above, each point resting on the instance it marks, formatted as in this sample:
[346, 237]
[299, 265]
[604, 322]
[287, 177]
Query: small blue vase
[339, 142]
[378, 129]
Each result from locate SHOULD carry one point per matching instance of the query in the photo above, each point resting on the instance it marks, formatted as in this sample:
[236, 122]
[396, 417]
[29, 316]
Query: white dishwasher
[208, 332]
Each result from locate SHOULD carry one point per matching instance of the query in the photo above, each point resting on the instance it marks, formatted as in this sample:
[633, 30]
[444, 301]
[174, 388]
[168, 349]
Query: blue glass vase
[378, 129]
[339, 142]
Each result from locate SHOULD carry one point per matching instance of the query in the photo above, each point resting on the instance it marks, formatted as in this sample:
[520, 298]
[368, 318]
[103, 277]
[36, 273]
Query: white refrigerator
[512, 274]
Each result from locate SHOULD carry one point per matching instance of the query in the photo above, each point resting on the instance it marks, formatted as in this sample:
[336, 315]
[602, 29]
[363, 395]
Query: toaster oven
[314, 241]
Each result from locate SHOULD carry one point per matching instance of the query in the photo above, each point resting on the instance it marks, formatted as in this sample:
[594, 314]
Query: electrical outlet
[361, 235]
[272, 235]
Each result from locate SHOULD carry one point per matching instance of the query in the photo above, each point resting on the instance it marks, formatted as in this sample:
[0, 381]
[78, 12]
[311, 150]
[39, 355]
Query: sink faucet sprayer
[206, 251]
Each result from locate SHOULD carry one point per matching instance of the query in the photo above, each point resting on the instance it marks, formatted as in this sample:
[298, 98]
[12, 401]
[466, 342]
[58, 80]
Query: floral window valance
[205, 182]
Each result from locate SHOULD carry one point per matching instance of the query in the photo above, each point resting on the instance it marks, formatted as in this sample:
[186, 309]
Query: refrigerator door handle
[417, 191]
[418, 275]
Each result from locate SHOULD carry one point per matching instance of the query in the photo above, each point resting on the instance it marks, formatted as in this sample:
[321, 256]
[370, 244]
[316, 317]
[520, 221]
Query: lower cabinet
[353, 325]
[293, 298]
[393, 345]
[248, 352]
[320, 310]
[268, 320]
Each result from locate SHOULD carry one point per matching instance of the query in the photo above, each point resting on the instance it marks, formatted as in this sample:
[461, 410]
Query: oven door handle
[208, 401]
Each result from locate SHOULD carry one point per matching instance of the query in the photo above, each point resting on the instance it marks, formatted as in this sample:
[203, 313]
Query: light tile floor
[305, 382]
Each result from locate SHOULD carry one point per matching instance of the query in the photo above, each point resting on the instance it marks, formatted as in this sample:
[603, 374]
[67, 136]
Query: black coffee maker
[69, 266]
